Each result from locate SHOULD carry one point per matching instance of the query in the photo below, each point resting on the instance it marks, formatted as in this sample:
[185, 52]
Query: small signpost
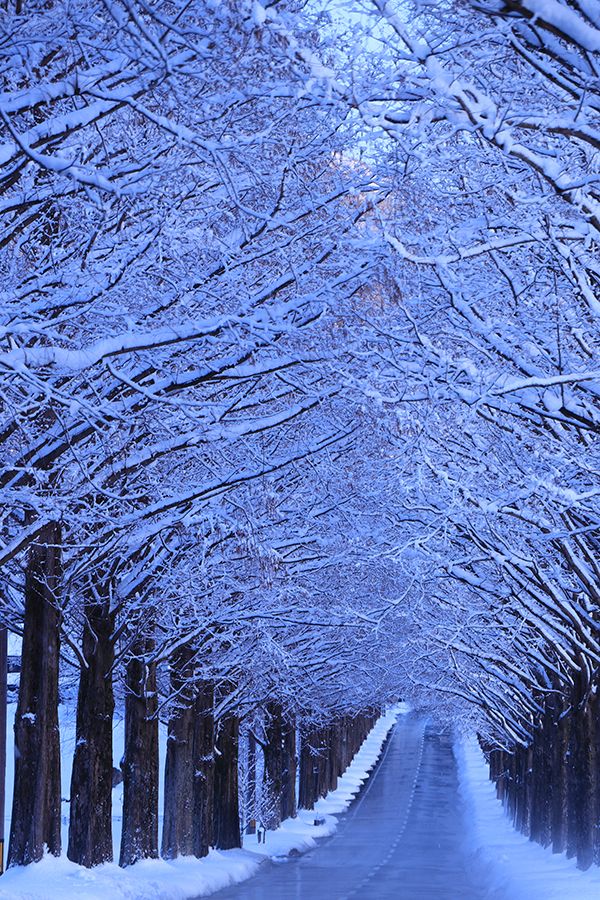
[3, 700]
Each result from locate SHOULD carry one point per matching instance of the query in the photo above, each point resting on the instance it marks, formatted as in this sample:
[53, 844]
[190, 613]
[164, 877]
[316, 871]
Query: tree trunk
[306, 791]
[204, 770]
[90, 827]
[523, 757]
[498, 772]
[596, 742]
[226, 808]
[139, 837]
[320, 762]
[576, 800]
[37, 795]
[333, 755]
[273, 771]
[3, 723]
[288, 771]
[511, 783]
[177, 837]
[560, 744]
[583, 818]
[347, 748]
[313, 766]
[590, 759]
[251, 784]
[541, 783]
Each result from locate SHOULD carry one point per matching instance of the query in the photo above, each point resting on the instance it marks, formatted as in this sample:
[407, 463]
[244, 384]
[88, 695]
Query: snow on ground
[54, 878]
[187, 878]
[514, 866]
[300, 834]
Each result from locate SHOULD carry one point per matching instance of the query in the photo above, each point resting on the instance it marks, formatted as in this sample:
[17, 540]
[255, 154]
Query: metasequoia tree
[482, 351]
[287, 434]
[487, 376]
[173, 217]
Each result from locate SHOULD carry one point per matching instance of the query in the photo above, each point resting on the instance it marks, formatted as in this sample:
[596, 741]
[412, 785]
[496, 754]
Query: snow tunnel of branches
[299, 403]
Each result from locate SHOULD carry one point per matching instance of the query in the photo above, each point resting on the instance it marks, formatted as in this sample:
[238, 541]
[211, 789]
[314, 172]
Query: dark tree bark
[523, 757]
[273, 756]
[347, 745]
[288, 771]
[251, 784]
[560, 745]
[325, 753]
[576, 795]
[527, 788]
[313, 766]
[90, 826]
[306, 787]
[541, 781]
[581, 821]
[3, 703]
[139, 837]
[226, 805]
[497, 771]
[280, 764]
[512, 786]
[204, 769]
[322, 757]
[36, 802]
[588, 764]
[188, 827]
[333, 755]
[177, 838]
[596, 741]
[552, 788]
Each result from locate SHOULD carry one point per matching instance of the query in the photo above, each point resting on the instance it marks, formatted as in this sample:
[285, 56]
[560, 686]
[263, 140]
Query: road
[402, 838]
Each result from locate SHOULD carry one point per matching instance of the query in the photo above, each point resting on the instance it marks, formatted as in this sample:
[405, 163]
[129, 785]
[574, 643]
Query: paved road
[401, 839]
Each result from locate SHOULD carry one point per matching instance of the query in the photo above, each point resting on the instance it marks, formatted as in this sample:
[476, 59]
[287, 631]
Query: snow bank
[149, 880]
[514, 865]
[186, 878]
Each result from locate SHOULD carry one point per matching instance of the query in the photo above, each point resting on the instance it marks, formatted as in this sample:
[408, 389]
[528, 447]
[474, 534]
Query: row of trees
[178, 219]
[300, 401]
[490, 370]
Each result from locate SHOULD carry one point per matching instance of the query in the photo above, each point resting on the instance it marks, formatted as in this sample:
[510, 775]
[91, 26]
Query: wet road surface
[402, 839]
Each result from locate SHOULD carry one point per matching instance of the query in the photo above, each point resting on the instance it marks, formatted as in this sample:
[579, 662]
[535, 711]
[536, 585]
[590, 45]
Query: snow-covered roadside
[300, 834]
[514, 866]
[187, 878]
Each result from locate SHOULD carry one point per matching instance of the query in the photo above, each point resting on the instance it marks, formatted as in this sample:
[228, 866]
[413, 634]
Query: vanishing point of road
[402, 838]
